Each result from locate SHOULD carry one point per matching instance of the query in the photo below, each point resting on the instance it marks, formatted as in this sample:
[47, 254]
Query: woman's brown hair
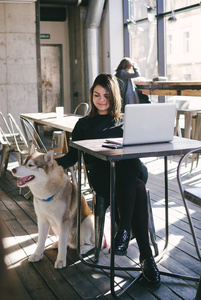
[110, 84]
[126, 63]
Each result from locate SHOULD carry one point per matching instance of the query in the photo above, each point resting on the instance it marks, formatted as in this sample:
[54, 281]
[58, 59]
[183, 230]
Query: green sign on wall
[45, 36]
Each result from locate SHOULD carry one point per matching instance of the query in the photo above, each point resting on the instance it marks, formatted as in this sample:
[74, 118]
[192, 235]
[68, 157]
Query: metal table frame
[93, 147]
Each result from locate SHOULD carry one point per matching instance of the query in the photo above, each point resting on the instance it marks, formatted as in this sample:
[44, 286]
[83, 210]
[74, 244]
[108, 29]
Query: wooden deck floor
[40, 280]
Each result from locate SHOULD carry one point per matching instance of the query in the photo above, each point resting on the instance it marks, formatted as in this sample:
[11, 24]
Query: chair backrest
[6, 134]
[82, 109]
[4, 124]
[31, 134]
[183, 164]
[190, 191]
[3, 138]
[20, 141]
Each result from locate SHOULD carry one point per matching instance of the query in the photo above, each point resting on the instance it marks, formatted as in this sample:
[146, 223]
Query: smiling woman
[101, 100]
[105, 90]
[104, 121]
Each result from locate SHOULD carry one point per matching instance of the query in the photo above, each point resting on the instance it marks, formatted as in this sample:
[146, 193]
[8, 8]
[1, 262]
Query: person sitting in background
[125, 72]
[104, 121]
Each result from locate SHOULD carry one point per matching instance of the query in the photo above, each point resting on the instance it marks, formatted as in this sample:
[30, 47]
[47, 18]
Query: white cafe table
[179, 146]
[66, 123]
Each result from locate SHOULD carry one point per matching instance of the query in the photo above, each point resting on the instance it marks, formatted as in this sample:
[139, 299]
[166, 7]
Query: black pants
[130, 195]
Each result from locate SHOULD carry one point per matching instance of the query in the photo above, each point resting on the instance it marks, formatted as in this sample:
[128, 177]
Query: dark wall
[76, 17]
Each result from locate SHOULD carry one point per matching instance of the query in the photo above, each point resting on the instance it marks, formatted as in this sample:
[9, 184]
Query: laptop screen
[149, 123]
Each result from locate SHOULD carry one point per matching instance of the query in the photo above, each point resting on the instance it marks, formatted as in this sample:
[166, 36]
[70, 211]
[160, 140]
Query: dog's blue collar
[47, 200]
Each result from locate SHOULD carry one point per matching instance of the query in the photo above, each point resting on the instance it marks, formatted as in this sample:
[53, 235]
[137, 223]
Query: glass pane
[143, 49]
[140, 8]
[176, 4]
[183, 46]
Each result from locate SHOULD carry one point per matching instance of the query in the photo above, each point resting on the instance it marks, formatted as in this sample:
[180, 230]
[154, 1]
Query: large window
[143, 49]
[178, 43]
[143, 43]
[183, 59]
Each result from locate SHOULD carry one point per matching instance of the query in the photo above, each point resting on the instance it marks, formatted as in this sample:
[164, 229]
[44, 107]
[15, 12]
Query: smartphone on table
[112, 146]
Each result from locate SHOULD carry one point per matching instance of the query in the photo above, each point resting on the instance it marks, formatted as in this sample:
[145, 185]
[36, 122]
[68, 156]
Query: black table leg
[112, 266]
[79, 202]
[112, 232]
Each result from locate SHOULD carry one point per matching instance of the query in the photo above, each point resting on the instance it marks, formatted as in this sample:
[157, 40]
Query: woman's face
[101, 100]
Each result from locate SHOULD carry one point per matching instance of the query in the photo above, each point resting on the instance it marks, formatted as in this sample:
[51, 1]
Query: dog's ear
[32, 149]
[49, 156]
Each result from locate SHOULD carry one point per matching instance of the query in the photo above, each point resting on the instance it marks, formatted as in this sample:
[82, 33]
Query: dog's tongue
[24, 180]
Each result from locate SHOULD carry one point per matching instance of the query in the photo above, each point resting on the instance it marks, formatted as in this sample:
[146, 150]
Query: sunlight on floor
[174, 241]
[12, 241]
[16, 255]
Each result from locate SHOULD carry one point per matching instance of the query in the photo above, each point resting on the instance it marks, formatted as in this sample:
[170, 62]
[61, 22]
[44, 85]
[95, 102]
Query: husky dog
[55, 205]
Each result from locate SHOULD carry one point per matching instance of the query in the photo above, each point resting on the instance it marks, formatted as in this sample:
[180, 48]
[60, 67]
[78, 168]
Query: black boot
[150, 271]
[122, 238]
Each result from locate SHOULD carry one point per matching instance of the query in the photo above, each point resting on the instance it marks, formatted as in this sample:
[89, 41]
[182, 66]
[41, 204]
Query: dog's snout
[14, 171]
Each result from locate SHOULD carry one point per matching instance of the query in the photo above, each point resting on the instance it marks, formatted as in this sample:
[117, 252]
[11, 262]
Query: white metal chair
[190, 194]
[22, 145]
[5, 128]
[82, 109]
[7, 148]
[7, 134]
[196, 135]
[31, 134]
[8, 139]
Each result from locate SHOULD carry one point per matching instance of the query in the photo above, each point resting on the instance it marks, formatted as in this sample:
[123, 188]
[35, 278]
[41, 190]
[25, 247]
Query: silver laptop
[147, 123]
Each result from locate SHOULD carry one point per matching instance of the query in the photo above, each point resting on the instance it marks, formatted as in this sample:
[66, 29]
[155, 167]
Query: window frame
[160, 15]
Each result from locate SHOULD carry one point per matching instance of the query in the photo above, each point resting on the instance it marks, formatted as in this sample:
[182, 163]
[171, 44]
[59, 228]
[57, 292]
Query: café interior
[52, 50]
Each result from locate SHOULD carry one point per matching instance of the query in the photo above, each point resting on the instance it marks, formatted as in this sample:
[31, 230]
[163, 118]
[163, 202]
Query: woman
[125, 72]
[104, 121]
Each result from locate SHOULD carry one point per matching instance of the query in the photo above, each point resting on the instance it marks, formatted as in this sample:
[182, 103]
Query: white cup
[59, 112]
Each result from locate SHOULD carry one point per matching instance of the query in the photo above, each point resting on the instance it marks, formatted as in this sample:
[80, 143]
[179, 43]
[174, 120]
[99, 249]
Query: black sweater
[100, 126]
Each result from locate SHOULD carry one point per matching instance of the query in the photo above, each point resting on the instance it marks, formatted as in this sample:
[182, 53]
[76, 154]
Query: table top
[66, 123]
[184, 88]
[177, 146]
[185, 84]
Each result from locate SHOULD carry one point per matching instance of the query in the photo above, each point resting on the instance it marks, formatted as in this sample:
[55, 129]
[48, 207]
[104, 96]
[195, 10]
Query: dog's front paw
[35, 257]
[59, 264]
